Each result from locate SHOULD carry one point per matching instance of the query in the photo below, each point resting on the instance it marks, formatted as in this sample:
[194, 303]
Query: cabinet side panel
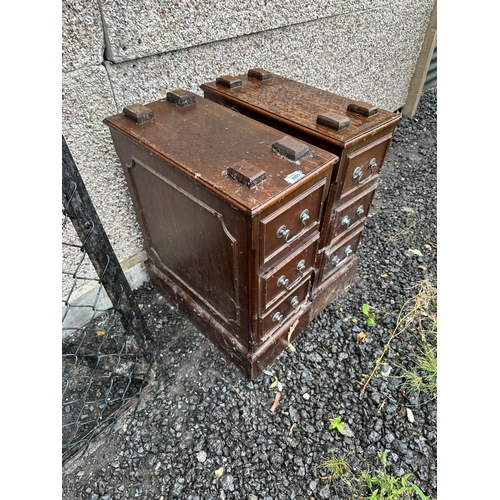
[190, 239]
[191, 235]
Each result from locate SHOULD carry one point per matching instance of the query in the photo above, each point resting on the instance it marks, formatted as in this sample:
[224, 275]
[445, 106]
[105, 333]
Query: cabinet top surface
[300, 104]
[203, 140]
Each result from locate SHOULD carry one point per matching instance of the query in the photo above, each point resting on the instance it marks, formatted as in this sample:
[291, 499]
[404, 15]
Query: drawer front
[363, 165]
[292, 223]
[350, 215]
[284, 311]
[339, 255]
[289, 273]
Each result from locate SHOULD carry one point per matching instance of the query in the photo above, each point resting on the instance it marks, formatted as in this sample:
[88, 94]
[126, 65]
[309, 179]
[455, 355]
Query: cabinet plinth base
[333, 286]
[252, 362]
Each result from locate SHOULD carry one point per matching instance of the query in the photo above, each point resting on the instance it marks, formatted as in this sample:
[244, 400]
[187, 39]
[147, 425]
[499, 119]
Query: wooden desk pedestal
[357, 132]
[230, 210]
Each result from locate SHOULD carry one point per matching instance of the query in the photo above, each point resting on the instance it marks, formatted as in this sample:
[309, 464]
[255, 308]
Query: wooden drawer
[289, 273]
[292, 223]
[281, 338]
[363, 166]
[289, 307]
[339, 255]
[350, 215]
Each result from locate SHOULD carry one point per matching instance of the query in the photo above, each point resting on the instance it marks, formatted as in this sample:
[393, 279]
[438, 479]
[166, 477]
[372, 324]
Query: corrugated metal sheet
[431, 78]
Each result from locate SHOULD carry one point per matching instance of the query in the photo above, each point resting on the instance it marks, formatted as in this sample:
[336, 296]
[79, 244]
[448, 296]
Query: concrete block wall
[120, 52]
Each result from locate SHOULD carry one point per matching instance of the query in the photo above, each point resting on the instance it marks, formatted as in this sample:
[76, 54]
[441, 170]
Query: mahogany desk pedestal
[357, 132]
[231, 213]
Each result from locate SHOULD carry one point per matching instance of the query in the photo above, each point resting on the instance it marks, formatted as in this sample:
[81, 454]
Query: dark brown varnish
[231, 225]
[357, 132]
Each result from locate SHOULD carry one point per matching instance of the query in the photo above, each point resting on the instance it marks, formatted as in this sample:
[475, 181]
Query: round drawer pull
[279, 318]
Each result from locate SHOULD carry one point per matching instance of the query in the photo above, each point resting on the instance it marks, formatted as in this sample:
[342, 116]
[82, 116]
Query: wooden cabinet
[357, 132]
[231, 212]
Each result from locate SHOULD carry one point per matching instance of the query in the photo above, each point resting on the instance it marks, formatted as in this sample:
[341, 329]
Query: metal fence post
[78, 207]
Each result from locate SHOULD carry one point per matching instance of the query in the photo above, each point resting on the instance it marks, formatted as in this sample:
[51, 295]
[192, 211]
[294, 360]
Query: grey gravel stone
[315, 358]
[226, 482]
[324, 492]
[389, 437]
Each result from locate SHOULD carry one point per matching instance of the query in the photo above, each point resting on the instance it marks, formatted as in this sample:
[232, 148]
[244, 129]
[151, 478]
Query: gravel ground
[209, 433]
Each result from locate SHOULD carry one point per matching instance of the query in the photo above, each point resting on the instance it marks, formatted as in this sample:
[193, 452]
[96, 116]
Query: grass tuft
[338, 468]
[424, 377]
[415, 314]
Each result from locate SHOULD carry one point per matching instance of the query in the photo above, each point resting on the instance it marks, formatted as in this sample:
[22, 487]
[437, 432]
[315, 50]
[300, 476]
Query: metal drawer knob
[284, 232]
[278, 317]
[282, 281]
[347, 222]
[337, 262]
[358, 171]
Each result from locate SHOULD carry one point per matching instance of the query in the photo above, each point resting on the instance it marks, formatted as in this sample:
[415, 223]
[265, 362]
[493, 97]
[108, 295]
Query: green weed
[375, 481]
[336, 423]
[415, 314]
[370, 316]
[384, 486]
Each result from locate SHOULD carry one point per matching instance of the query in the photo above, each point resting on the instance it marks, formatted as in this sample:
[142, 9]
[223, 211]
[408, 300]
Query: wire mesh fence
[108, 355]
